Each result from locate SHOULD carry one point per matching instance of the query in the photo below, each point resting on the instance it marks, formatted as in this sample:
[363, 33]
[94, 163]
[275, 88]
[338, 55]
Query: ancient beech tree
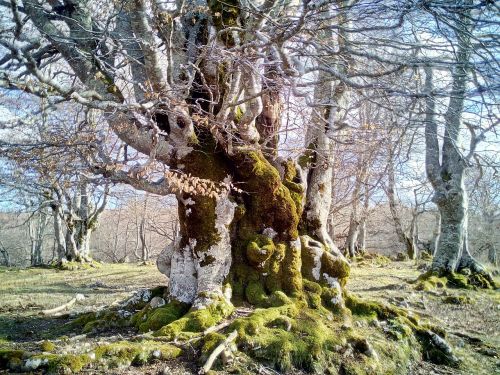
[197, 89]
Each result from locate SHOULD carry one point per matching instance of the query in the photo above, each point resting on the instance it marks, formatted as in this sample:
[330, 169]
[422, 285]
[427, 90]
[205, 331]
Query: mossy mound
[463, 280]
[401, 325]
[458, 300]
[11, 358]
[47, 346]
[259, 249]
[126, 315]
[75, 265]
[372, 259]
[102, 320]
[430, 281]
[125, 353]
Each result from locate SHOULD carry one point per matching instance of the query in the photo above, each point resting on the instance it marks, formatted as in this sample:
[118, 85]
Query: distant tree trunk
[492, 255]
[36, 227]
[59, 237]
[5, 255]
[357, 215]
[405, 238]
[117, 237]
[142, 232]
[81, 220]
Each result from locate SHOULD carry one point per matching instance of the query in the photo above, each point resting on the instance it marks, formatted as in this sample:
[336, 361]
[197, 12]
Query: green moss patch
[297, 337]
[458, 300]
[47, 346]
[100, 321]
[432, 280]
[197, 320]
[125, 353]
[153, 319]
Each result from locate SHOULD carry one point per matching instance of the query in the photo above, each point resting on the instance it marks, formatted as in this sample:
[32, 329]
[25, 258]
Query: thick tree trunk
[247, 243]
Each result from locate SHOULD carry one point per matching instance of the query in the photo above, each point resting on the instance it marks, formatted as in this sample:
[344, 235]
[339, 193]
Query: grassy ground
[473, 328]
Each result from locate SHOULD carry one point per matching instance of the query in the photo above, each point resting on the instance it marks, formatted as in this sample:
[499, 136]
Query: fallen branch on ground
[78, 297]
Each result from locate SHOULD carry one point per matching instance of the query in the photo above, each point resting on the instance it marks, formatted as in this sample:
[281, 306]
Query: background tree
[446, 163]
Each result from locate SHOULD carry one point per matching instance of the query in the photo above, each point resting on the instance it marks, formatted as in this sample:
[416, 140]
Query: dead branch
[217, 351]
[55, 310]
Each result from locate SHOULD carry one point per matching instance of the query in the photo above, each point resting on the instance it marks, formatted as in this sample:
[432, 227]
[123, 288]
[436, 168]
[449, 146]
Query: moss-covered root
[112, 355]
[196, 321]
[152, 319]
[321, 266]
[463, 280]
[295, 337]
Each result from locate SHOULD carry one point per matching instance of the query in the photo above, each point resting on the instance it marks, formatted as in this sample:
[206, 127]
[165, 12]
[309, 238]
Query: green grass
[26, 292]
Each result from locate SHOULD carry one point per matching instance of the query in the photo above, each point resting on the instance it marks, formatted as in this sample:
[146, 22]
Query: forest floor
[473, 327]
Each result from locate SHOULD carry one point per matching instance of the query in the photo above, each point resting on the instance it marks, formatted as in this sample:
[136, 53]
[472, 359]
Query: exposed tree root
[295, 333]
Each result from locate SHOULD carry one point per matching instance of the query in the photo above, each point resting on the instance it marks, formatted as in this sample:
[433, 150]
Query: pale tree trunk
[116, 237]
[36, 227]
[327, 117]
[362, 226]
[351, 244]
[144, 256]
[81, 219]
[59, 237]
[492, 255]
[435, 233]
[407, 238]
[446, 170]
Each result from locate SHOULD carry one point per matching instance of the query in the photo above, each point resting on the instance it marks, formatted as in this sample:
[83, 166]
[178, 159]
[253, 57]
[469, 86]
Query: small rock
[157, 302]
[370, 352]
[345, 327]
[490, 352]
[157, 354]
[375, 323]
[124, 314]
[34, 363]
